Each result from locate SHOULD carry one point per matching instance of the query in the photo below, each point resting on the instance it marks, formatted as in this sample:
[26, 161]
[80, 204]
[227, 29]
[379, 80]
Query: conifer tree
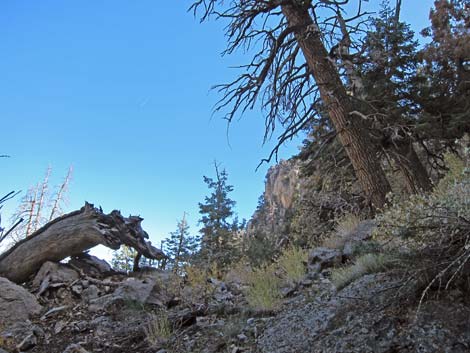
[123, 259]
[445, 96]
[180, 245]
[387, 70]
[220, 227]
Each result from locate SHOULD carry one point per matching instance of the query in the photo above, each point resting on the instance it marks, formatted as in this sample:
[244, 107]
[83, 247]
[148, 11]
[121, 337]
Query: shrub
[347, 224]
[435, 227]
[365, 264]
[344, 227]
[292, 263]
[264, 289]
[158, 328]
[260, 249]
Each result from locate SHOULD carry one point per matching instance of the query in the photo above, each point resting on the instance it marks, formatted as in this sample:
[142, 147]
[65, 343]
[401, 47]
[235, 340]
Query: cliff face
[277, 202]
[299, 208]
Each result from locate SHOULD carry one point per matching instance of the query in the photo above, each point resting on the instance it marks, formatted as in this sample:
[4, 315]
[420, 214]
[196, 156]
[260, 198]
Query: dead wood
[70, 235]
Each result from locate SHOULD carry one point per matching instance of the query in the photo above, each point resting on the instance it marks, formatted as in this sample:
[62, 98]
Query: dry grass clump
[158, 328]
[240, 272]
[292, 263]
[365, 264]
[344, 226]
[264, 289]
[347, 224]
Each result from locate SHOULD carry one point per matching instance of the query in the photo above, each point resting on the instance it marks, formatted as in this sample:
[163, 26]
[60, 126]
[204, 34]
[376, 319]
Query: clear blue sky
[121, 91]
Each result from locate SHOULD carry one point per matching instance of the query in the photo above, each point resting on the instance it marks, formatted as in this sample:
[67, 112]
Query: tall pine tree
[220, 227]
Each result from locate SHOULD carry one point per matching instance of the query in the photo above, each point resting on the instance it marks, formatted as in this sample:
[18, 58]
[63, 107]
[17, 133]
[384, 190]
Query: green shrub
[264, 289]
[292, 263]
[259, 249]
[434, 228]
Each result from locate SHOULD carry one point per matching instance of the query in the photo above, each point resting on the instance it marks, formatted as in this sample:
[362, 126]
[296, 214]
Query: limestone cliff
[276, 204]
[301, 207]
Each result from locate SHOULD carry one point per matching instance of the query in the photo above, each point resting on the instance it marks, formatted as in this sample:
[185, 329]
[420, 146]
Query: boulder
[91, 265]
[322, 258]
[135, 291]
[52, 273]
[16, 303]
[362, 233]
[22, 335]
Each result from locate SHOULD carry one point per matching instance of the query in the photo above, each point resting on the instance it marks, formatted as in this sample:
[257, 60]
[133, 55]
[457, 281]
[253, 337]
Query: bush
[347, 224]
[434, 228]
[292, 262]
[344, 226]
[365, 264]
[260, 249]
[264, 289]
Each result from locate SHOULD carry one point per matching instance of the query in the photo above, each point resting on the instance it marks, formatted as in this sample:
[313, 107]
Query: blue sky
[120, 89]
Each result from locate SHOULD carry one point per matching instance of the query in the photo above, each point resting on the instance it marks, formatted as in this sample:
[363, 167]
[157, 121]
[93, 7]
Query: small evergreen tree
[220, 227]
[180, 245]
[123, 259]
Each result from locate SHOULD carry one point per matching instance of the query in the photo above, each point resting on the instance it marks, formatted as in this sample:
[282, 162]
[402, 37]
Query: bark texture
[350, 128]
[72, 234]
[415, 175]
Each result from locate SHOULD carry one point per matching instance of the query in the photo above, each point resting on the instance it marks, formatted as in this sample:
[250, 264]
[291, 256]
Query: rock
[371, 315]
[362, 233]
[16, 303]
[281, 188]
[77, 289]
[133, 291]
[322, 258]
[242, 337]
[91, 265]
[53, 274]
[89, 293]
[75, 348]
[22, 335]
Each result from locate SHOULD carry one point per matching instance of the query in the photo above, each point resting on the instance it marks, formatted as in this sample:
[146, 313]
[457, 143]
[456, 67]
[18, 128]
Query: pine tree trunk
[349, 128]
[416, 177]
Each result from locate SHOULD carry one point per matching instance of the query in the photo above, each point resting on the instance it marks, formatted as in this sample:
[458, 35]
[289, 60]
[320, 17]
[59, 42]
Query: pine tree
[387, 69]
[180, 245]
[123, 259]
[292, 75]
[445, 95]
[220, 227]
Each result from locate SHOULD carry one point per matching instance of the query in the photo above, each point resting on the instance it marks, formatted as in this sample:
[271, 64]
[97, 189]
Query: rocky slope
[84, 307]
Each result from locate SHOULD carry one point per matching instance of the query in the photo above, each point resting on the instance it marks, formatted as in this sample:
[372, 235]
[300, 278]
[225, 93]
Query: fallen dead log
[70, 235]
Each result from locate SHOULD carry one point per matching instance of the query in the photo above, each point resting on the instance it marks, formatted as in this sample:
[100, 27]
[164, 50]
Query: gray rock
[369, 316]
[53, 273]
[75, 348]
[91, 265]
[23, 335]
[132, 290]
[358, 236]
[16, 303]
[91, 292]
[322, 258]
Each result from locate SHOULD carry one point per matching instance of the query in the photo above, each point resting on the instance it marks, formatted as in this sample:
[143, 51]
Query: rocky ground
[84, 306]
